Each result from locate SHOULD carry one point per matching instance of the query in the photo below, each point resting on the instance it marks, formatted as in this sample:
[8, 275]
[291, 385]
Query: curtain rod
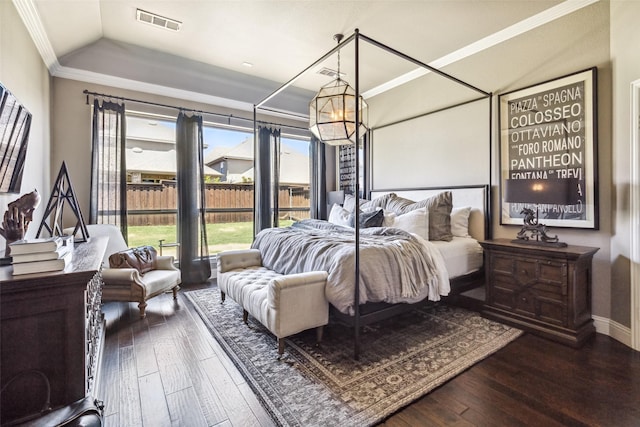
[157, 104]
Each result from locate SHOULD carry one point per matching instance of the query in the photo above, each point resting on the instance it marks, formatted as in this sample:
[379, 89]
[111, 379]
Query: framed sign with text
[548, 152]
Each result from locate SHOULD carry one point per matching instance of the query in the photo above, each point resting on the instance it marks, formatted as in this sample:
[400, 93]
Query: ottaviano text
[561, 125]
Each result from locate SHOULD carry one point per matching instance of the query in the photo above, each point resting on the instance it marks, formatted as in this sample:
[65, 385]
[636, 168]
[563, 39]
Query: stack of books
[41, 255]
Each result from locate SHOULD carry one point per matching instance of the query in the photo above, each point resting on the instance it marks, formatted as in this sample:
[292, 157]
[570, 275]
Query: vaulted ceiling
[101, 41]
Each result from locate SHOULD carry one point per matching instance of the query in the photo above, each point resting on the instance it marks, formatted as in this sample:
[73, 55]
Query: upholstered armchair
[129, 284]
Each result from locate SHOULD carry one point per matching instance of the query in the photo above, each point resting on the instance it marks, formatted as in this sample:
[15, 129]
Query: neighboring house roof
[151, 147]
[242, 151]
[160, 162]
[294, 166]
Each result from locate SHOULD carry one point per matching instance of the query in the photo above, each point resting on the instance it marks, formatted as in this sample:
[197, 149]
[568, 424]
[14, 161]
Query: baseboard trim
[613, 329]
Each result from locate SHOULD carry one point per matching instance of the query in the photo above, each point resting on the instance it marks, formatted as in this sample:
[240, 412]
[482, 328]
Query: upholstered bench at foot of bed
[284, 304]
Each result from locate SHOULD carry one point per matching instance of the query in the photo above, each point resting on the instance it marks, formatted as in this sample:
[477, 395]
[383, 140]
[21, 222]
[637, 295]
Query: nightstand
[543, 290]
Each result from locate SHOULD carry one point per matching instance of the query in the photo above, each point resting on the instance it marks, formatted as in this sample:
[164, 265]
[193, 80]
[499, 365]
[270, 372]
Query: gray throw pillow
[378, 202]
[368, 219]
[439, 207]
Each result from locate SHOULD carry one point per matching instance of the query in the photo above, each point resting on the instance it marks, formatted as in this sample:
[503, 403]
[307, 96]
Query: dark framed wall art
[548, 152]
[15, 122]
[346, 168]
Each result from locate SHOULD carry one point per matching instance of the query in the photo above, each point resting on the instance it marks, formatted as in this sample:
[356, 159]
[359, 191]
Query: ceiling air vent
[329, 72]
[157, 20]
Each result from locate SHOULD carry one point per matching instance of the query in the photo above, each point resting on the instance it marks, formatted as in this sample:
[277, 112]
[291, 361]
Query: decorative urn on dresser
[545, 290]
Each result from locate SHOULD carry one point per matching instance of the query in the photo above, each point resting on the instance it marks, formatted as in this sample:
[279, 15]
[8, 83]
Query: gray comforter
[395, 266]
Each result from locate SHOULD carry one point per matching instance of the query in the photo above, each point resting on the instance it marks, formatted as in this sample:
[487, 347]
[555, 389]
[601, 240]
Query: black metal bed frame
[371, 313]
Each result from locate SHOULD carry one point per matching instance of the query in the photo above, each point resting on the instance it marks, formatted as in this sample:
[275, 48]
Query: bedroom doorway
[635, 215]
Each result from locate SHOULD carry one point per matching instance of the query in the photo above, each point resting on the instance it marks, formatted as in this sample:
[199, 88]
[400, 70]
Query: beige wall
[420, 152]
[25, 75]
[569, 44]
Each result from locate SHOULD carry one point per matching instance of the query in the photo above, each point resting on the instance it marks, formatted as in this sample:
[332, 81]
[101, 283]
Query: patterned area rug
[401, 360]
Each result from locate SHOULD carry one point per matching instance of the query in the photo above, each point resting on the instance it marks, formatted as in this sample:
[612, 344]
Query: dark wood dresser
[51, 324]
[541, 289]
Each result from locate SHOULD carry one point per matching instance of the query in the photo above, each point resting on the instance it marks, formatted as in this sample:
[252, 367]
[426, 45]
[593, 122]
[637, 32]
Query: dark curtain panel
[108, 203]
[275, 178]
[192, 233]
[267, 182]
[318, 169]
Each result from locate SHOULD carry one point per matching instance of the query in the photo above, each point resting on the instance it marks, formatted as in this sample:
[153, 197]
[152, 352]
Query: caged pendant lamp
[332, 112]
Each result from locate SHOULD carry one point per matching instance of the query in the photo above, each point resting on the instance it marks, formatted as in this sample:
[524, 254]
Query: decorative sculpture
[17, 218]
[538, 231]
[62, 192]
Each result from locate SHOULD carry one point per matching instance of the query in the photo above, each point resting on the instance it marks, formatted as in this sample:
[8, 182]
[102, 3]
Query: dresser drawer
[527, 302]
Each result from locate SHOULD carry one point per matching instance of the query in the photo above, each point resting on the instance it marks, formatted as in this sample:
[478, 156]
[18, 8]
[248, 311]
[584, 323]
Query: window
[229, 183]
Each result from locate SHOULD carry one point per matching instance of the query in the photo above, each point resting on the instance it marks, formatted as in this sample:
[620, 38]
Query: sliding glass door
[295, 177]
[229, 188]
[151, 182]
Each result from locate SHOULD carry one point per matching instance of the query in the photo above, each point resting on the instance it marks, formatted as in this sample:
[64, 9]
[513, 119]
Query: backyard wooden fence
[155, 204]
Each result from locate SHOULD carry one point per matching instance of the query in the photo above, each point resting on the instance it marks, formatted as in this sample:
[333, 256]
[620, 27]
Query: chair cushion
[142, 258]
[158, 281]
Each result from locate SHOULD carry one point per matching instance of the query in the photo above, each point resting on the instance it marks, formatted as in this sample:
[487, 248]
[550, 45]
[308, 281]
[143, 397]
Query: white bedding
[462, 255]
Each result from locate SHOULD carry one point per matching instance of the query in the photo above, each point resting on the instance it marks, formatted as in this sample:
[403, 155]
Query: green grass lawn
[220, 237]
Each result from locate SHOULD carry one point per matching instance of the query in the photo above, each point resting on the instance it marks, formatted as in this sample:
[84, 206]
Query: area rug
[401, 360]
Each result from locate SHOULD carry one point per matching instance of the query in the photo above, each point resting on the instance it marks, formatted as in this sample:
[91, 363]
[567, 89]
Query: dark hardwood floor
[167, 370]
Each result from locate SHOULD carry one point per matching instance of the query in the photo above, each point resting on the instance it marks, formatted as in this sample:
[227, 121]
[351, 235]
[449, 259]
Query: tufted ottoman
[284, 304]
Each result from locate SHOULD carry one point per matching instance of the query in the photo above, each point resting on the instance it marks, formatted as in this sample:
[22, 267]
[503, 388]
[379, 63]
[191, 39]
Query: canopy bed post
[356, 290]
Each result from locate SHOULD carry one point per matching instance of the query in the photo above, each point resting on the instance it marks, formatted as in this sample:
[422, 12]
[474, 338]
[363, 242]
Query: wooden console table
[51, 324]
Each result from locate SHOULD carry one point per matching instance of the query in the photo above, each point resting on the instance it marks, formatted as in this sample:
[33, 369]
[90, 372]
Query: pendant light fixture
[332, 112]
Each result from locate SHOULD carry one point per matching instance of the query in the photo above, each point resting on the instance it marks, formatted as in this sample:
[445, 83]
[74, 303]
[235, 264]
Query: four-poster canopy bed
[290, 252]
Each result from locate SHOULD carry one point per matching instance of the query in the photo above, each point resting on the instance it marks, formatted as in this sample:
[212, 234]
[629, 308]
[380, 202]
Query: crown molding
[31, 19]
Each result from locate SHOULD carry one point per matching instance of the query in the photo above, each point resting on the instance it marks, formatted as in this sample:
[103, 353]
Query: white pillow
[388, 218]
[350, 202]
[339, 215]
[460, 221]
[416, 221]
